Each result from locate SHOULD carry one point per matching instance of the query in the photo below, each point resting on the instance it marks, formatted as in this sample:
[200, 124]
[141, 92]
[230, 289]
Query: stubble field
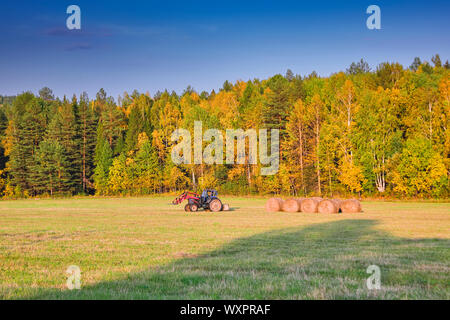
[144, 248]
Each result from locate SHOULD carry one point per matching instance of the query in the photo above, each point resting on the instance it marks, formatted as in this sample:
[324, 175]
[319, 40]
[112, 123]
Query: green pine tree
[279, 103]
[146, 169]
[138, 120]
[103, 161]
[28, 123]
[51, 167]
[64, 128]
[112, 119]
[87, 124]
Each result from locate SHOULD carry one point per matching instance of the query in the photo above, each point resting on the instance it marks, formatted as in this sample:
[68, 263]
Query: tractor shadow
[321, 261]
[231, 209]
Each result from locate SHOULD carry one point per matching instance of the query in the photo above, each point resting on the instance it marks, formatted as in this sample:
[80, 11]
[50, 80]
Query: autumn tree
[358, 131]
[316, 110]
[420, 170]
[297, 128]
[379, 136]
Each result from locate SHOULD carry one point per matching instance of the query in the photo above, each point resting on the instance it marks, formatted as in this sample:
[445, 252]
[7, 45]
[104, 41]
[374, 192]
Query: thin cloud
[64, 32]
[136, 30]
[79, 46]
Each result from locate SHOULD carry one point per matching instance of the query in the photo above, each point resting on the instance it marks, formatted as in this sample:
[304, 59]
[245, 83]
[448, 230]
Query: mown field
[144, 248]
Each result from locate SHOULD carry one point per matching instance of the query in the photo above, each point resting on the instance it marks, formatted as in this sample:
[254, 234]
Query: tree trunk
[317, 154]
[300, 133]
[430, 109]
[193, 178]
[84, 154]
[329, 173]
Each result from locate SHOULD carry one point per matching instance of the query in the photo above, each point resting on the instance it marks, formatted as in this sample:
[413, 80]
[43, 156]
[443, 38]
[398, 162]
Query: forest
[358, 132]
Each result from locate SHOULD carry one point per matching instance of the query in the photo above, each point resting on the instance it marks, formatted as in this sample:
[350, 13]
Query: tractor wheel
[193, 207]
[215, 205]
[187, 208]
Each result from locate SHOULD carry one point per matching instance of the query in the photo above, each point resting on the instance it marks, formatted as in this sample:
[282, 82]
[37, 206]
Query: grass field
[141, 248]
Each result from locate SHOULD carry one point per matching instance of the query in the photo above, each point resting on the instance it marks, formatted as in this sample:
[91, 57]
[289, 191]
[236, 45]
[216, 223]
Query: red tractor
[207, 200]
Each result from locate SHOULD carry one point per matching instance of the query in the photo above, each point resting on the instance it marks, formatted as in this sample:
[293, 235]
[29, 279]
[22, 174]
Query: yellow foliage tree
[351, 176]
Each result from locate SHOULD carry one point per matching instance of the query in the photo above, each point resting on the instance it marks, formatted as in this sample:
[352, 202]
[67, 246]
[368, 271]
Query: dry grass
[141, 248]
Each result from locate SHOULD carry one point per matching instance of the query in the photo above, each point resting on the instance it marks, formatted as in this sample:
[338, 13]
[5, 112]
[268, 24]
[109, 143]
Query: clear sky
[153, 45]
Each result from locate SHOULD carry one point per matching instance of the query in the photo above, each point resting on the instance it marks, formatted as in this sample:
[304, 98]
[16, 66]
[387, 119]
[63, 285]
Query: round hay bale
[299, 200]
[226, 207]
[350, 206]
[291, 205]
[328, 206]
[338, 204]
[274, 204]
[309, 205]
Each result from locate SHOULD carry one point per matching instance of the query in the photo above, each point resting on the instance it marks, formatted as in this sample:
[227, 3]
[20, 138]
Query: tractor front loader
[208, 200]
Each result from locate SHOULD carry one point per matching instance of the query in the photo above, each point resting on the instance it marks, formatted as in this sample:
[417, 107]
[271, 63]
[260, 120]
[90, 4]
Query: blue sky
[153, 45]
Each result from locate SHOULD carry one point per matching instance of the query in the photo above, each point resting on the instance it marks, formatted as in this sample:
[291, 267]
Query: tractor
[208, 200]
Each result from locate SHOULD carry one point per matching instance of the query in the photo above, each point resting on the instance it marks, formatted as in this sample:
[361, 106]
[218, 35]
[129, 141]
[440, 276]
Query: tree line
[381, 132]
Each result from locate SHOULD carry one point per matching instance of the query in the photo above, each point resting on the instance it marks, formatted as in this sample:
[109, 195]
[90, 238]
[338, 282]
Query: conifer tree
[278, 104]
[64, 128]
[87, 125]
[3, 126]
[28, 123]
[138, 120]
[103, 162]
[112, 119]
[147, 169]
[51, 167]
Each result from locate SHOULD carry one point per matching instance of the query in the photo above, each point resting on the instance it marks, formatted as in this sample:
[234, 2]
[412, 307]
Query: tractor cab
[208, 195]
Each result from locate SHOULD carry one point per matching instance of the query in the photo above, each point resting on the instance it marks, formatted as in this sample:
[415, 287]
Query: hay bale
[328, 206]
[338, 204]
[300, 203]
[291, 205]
[350, 206]
[274, 204]
[226, 207]
[309, 205]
